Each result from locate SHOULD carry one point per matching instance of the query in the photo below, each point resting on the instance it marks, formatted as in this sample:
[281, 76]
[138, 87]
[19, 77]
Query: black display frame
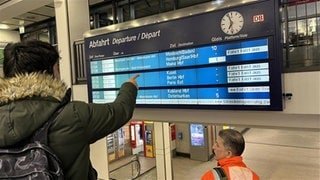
[275, 55]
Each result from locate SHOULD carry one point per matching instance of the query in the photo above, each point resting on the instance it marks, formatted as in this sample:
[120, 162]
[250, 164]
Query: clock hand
[231, 22]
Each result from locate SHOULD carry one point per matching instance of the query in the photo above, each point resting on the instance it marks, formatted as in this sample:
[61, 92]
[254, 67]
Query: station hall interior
[169, 142]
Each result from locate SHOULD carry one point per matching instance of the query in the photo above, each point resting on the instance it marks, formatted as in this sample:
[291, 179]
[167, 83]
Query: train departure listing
[234, 73]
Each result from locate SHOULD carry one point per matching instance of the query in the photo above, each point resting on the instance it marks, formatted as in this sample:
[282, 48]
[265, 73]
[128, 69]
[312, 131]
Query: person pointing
[30, 93]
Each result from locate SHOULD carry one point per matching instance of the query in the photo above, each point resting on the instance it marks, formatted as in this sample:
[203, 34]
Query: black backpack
[32, 159]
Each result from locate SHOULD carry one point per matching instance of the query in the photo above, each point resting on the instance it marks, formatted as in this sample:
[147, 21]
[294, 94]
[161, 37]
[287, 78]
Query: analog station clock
[232, 22]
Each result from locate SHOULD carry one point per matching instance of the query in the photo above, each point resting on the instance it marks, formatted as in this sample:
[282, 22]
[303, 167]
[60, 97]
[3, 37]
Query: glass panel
[303, 52]
[91, 22]
[285, 58]
[284, 34]
[318, 7]
[292, 33]
[303, 38]
[318, 24]
[291, 12]
[301, 10]
[302, 27]
[312, 30]
[295, 57]
[147, 8]
[312, 26]
[316, 54]
[308, 61]
[282, 14]
[318, 31]
[311, 8]
[43, 35]
[186, 3]
[127, 12]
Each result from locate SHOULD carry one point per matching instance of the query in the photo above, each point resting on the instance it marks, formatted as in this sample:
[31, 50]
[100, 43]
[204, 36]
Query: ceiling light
[4, 26]
[218, 2]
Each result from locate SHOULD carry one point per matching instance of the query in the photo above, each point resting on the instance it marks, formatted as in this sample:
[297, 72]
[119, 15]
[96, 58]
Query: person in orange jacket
[227, 151]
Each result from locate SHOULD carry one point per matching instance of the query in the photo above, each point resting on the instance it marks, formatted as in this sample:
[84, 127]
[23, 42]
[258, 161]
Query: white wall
[6, 37]
[302, 111]
[80, 92]
[305, 88]
[183, 145]
[9, 36]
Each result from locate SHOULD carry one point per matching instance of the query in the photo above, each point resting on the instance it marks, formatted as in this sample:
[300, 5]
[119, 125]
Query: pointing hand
[133, 80]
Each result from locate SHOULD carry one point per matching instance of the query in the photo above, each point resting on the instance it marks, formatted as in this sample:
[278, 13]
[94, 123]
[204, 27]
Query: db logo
[258, 18]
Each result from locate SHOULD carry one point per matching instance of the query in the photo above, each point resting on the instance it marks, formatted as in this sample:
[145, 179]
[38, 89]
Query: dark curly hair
[29, 56]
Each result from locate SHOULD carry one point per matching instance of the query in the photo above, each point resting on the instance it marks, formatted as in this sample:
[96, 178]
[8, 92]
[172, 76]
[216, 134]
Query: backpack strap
[42, 133]
[219, 173]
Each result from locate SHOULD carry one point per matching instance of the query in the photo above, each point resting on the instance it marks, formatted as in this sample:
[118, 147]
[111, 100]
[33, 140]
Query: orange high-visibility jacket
[234, 168]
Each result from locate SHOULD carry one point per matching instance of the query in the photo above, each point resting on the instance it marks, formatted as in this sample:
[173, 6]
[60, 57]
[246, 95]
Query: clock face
[232, 22]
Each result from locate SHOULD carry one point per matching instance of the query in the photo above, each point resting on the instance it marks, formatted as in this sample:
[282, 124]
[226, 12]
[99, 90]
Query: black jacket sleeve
[106, 118]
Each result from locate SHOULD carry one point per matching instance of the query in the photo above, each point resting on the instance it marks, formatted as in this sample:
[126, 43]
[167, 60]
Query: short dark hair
[29, 56]
[233, 140]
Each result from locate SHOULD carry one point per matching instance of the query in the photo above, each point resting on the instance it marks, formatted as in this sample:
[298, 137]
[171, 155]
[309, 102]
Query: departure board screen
[242, 72]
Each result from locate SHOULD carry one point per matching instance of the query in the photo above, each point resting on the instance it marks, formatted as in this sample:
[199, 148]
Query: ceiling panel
[32, 17]
[3, 1]
[16, 13]
[92, 2]
[45, 10]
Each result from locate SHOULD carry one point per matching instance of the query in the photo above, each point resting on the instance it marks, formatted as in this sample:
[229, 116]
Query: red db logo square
[258, 18]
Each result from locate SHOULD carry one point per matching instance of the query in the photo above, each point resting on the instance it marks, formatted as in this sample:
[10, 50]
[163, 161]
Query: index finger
[135, 76]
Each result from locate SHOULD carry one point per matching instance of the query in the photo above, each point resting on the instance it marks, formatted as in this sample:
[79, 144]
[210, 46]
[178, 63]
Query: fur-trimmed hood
[28, 85]
[26, 103]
